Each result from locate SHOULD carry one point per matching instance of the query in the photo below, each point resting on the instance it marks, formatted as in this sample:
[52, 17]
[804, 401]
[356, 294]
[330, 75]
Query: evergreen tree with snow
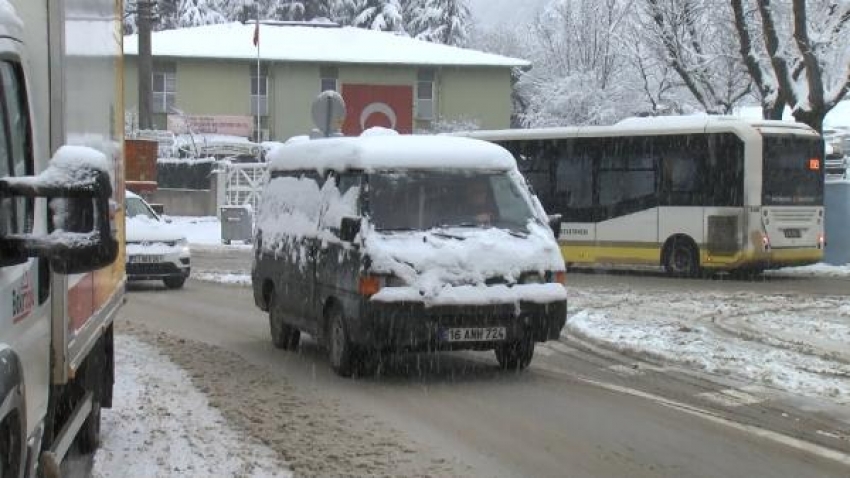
[439, 21]
[304, 10]
[384, 15]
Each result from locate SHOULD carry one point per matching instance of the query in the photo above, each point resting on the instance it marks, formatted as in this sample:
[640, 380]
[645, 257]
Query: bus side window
[724, 176]
[683, 164]
[536, 166]
[574, 183]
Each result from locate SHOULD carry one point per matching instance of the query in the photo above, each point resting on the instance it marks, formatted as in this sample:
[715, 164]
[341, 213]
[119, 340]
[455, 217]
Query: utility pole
[144, 13]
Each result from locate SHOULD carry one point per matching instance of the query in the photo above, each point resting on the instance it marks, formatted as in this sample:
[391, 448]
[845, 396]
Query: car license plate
[793, 233]
[473, 334]
[145, 259]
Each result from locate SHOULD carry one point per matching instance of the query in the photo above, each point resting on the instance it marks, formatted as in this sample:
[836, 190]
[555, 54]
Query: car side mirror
[555, 221]
[349, 228]
[78, 189]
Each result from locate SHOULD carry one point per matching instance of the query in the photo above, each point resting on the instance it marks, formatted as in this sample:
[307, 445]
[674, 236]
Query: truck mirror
[349, 228]
[79, 195]
[555, 221]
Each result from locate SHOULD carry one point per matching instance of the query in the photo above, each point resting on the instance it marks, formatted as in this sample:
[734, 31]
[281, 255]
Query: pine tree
[439, 21]
[304, 10]
[385, 15]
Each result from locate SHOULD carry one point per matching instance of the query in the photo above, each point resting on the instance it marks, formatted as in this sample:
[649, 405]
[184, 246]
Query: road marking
[731, 398]
[776, 437]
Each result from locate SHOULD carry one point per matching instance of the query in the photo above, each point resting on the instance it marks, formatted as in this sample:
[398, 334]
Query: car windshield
[137, 207]
[420, 200]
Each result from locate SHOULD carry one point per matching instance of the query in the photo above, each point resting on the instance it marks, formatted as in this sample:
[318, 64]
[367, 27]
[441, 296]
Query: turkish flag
[257, 33]
[389, 106]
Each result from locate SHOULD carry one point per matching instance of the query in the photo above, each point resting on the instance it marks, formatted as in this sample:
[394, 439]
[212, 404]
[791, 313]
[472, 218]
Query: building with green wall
[211, 73]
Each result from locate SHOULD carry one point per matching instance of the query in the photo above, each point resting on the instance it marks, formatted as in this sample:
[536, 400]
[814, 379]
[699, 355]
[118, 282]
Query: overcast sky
[494, 12]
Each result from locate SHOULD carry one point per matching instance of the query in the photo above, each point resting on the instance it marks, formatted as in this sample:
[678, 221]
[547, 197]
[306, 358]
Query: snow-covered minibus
[386, 244]
[689, 194]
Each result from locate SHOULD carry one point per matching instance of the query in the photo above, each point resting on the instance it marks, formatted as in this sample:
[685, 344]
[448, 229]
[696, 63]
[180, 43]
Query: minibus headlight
[532, 278]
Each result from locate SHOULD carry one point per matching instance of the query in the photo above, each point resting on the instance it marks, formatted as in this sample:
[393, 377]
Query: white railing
[240, 184]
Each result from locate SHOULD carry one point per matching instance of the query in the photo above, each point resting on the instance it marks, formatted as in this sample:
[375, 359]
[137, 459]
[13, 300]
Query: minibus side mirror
[79, 206]
[555, 221]
[349, 228]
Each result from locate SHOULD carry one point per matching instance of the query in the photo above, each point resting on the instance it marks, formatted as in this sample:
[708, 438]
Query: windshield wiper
[463, 224]
[448, 236]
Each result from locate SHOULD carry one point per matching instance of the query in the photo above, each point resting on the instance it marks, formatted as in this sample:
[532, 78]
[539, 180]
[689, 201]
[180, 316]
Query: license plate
[145, 259]
[473, 334]
[793, 233]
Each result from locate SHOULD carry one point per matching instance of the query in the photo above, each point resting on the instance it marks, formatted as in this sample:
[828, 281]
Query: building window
[328, 76]
[425, 95]
[164, 87]
[259, 90]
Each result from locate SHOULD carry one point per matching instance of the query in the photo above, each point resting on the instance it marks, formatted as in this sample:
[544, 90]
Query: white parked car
[156, 250]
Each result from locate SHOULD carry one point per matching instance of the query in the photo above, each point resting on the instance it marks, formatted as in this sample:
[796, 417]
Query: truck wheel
[9, 449]
[340, 348]
[284, 336]
[174, 282]
[515, 355]
[89, 437]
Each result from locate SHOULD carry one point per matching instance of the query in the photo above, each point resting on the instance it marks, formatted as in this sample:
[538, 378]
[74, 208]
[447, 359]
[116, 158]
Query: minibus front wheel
[515, 355]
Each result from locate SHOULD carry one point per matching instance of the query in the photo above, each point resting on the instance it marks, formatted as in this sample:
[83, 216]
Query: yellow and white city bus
[686, 193]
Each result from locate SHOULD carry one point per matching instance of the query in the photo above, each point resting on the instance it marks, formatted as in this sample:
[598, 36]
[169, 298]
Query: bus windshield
[791, 177]
[420, 200]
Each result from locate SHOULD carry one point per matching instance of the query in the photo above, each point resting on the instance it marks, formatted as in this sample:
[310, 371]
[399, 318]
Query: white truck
[61, 227]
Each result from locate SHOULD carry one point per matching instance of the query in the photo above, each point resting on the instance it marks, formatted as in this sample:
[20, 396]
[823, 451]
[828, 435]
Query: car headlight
[532, 278]
[183, 244]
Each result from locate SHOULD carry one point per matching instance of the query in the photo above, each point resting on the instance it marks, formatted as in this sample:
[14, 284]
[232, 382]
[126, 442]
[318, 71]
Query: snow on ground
[160, 425]
[791, 343]
[820, 270]
[223, 278]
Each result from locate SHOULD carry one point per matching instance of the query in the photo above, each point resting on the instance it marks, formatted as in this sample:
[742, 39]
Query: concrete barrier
[837, 222]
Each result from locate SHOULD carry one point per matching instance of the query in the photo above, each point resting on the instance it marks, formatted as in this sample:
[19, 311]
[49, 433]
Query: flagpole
[259, 135]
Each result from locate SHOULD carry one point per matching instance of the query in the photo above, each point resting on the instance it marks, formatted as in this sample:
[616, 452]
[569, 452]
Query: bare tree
[695, 39]
[579, 72]
[801, 57]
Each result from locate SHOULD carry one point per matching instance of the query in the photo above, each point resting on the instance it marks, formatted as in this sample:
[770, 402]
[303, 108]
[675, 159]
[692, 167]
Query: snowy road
[579, 411]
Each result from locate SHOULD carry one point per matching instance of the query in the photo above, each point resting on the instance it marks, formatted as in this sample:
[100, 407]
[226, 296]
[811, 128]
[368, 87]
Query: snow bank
[160, 425]
[814, 270]
[223, 278]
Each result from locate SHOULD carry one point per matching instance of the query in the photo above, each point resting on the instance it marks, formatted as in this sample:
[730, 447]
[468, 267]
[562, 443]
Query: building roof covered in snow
[316, 44]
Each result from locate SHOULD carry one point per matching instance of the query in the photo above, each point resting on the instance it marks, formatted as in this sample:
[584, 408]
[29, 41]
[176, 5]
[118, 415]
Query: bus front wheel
[681, 257]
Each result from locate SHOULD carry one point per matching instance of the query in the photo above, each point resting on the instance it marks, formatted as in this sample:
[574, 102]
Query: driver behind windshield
[481, 202]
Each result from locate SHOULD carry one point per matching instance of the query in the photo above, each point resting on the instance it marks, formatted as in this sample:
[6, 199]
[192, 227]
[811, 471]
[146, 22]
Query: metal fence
[242, 183]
